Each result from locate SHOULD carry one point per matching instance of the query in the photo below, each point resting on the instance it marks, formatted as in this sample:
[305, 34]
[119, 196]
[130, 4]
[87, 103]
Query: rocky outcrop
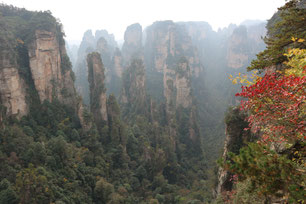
[244, 44]
[166, 42]
[106, 55]
[12, 86]
[51, 69]
[12, 92]
[97, 88]
[105, 44]
[179, 104]
[134, 87]
[177, 86]
[183, 84]
[170, 89]
[236, 138]
[45, 63]
[117, 62]
[237, 54]
[110, 39]
[203, 39]
[132, 47]
[85, 122]
[33, 62]
[88, 41]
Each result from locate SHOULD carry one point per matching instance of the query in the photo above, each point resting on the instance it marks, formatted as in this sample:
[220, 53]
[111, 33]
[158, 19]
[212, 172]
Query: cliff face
[87, 45]
[105, 44]
[243, 45]
[110, 39]
[96, 80]
[12, 91]
[106, 55]
[12, 87]
[132, 47]
[50, 68]
[237, 54]
[87, 41]
[117, 62]
[177, 86]
[165, 43]
[183, 84]
[172, 62]
[203, 39]
[134, 87]
[36, 60]
[236, 138]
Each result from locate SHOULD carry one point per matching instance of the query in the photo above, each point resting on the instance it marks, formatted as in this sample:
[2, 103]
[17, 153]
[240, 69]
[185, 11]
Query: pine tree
[287, 24]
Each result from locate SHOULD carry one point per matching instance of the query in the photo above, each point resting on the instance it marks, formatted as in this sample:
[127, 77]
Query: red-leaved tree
[276, 104]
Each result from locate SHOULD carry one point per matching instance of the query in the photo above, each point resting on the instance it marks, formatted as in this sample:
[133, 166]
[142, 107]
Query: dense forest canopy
[145, 123]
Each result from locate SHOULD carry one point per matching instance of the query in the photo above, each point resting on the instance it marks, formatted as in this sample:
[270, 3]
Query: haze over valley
[147, 102]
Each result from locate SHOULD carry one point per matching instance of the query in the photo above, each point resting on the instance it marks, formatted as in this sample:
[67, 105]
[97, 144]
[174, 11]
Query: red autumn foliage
[277, 107]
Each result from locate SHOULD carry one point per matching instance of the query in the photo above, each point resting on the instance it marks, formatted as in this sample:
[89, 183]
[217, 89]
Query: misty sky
[115, 15]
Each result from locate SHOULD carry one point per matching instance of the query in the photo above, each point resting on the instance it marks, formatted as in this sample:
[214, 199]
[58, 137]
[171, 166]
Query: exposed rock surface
[96, 80]
[105, 52]
[132, 47]
[87, 45]
[177, 86]
[12, 92]
[81, 110]
[34, 64]
[166, 42]
[12, 86]
[237, 55]
[117, 62]
[87, 41]
[203, 39]
[134, 86]
[110, 39]
[244, 43]
[105, 44]
[183, 84]
[50, 73]
[236, 138]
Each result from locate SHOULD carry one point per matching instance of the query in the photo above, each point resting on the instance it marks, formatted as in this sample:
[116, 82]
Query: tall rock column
[117, 62]
[183, 84]
[97, 88]
[12, 86]
[177, 86]
[12, 92]
[51, 68]
[45, 63]
[134, 87]
[238, 50]
[132, 47]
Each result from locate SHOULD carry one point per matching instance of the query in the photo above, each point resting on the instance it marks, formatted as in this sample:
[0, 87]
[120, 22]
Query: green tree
[103, 191]
[32, 186]
[288, 22]
[7, 194]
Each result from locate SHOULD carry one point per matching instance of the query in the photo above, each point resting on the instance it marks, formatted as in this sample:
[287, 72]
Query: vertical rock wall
[12, 86]
[51, 69]
[132, 47]
[97, 88]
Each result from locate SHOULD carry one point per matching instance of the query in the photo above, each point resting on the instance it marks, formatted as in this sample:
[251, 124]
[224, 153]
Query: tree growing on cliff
[274, 166]
[289, 22]
[277, 108]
